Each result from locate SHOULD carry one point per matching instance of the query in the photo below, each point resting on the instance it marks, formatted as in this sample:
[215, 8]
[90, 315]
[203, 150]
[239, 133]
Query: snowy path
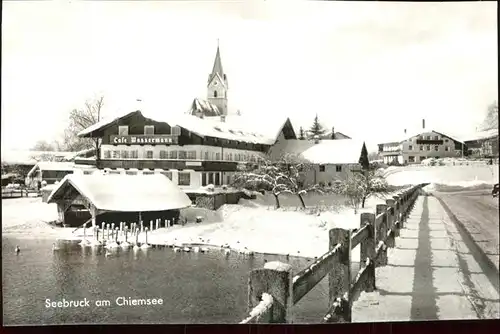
[431, 275]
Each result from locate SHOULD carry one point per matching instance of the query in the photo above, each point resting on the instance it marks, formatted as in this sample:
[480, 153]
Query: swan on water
[187, 249]
[227, 251]
[107, 253]
[196, 249]
[17, 250]
[84, 241]
[125, 244]
[204, 249]
[146, 245]
[136, 247]
[177, 249]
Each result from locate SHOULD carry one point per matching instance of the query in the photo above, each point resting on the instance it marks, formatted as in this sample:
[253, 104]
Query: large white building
[416, 147]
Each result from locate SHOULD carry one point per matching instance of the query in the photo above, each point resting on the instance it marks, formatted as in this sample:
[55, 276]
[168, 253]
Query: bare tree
[80, 119]
[361, 186]
[491, 119]
[43, 145]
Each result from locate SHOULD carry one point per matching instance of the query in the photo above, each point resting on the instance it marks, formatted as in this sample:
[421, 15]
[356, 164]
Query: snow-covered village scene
[245, 162]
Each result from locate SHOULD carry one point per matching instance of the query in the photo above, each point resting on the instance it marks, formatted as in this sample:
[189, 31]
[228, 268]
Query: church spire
[217, 69]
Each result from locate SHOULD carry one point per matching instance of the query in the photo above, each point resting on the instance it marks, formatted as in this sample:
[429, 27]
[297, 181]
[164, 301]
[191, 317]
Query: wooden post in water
[391, 220]
[107, 229]
[157, 224]
[339, 279]
[380, 234]
[274, 279]
[116, 235]
[146, 231]
[137, 237]
[368, 250]
[151, 225]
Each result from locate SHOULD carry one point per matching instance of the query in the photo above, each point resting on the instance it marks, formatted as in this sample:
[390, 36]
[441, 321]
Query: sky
[369, 69]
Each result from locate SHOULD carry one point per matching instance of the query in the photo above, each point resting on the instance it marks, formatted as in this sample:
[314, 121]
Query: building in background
[416, 147]
[483, 144]
[204, 146]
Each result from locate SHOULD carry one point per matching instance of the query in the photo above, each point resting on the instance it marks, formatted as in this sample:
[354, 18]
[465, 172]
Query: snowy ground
[254, 224]
[447, 175]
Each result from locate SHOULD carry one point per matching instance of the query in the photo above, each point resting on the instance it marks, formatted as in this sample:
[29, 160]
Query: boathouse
[108, 198]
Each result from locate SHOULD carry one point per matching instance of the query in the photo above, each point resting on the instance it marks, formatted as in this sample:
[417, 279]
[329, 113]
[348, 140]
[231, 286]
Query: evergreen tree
[316, 128]
[301, 134]
[363, 159]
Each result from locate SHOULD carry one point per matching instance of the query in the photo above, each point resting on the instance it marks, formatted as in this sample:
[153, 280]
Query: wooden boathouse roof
[123, 193]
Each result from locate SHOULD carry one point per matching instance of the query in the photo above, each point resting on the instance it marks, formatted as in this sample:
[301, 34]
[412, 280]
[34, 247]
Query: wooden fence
[272, 291]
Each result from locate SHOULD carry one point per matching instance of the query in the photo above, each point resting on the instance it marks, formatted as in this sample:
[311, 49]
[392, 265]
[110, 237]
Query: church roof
[205, 107]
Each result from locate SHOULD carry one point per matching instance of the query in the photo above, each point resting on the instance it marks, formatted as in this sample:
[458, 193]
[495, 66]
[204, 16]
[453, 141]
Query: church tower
[217, 85]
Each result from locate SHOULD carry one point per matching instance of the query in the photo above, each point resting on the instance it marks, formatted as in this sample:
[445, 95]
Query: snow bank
[441, 174]
[459, 186]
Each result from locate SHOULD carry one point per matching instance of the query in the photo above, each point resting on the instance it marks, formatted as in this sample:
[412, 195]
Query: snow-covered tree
[286, 175]
[491, 119]
[360, 186]
[316, 128]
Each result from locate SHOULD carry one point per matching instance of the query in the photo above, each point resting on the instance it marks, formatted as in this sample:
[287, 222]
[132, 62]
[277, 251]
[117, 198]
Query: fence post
[380, 233]
[391, 206]
[274, 279]
[397, 214]
[339, 279]
[368, 250]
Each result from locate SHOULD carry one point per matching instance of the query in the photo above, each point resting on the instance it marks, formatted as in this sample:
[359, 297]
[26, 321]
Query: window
[163, 154]
[410, 147]
[203, 179]
[215, 93]
[338, 168]
[217, 156]
[116, 154]
[123, 130]
[428, 148]
[182, 155]
[191, 155]
[210, 178]
[422, 158]
[149, 154]
[446, 140]
[321, 168]
[167, 174]
[447, 149]
[411, 158]
[217, 179]
[134, 154]
[184, 179]
[172, 154]
[131, 172]
[436, 148]
[421, 148]
[206, 155]
[176, 131]
[428, 137]
[149, 129]
[124, 154]
[436, 137]
[147, 172]
[107, 154]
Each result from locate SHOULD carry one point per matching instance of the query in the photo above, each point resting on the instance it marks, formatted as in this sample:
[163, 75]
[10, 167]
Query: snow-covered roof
[103, 122]
[125, 193]
[480, 135]
[345, 151]
[27, 157]
[58, 166]
[234, 127]
[203, 106]
[415, 133]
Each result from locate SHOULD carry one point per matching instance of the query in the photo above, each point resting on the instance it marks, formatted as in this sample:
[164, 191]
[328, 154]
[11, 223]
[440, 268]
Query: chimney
[423, 123]
[333, 132]
[222, 118]
[316, 139]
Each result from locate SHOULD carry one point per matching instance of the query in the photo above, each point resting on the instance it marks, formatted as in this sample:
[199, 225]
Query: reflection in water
[195, 287]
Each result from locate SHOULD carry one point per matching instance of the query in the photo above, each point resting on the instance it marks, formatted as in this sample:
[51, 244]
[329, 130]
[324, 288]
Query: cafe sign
[144, 139]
